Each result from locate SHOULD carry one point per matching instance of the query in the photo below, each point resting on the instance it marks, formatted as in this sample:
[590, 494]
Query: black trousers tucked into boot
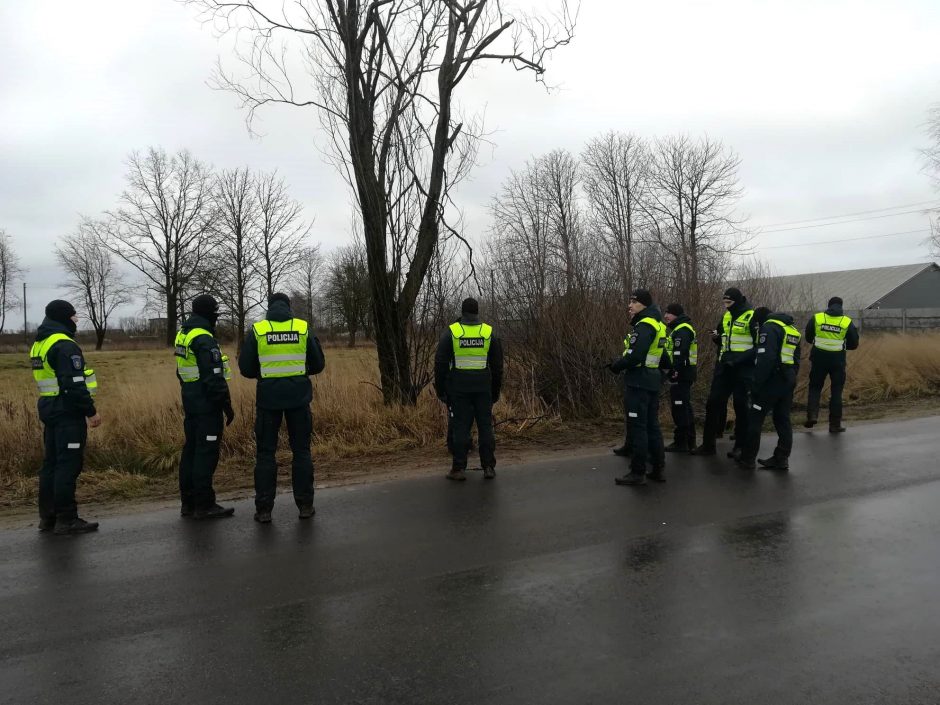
[299, 432]
[680, 400]
[200, 458]
[821, 368]
[64, 450]
[467, 408]
[733, 382]
[645, 434]
[778, 404]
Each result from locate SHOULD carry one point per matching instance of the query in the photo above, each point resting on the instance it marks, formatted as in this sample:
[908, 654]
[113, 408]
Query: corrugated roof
[859, 288]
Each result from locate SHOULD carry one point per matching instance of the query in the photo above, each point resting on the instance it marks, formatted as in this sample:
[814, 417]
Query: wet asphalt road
[549, 585]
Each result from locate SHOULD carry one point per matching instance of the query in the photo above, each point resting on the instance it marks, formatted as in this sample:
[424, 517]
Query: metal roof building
[903, 286]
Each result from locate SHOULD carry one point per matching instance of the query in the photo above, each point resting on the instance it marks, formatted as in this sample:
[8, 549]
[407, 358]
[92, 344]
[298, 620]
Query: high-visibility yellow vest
[186, 366]
[471, 345]
[693, 349]
[831, 332]
[282, 348]
[655, 354]
[45, 376]
[791, 339]
[736, 333]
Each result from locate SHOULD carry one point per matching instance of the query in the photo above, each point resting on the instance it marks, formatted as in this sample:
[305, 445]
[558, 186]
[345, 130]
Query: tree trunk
[352, 338]
[99, 337]
[170, 335]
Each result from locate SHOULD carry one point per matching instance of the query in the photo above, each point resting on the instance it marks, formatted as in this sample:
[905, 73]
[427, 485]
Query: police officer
[777, 363]
[640, 363]
[203, 372]
[280, 353]
[468, 377]
[735, 338]
[682, 351]
[66, 409]
[831, 333]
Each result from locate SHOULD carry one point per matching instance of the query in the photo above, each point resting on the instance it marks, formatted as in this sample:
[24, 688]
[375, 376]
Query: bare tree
[385, 73]
[348, 288]
[10, 271]
[615, 170]
[307, 281]
[236, 243]
[693, 192]
[932, 168]
[281, 232]
[165, 219]
[92, 277]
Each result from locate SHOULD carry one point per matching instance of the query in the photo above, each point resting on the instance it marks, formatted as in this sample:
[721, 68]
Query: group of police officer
[757, 363]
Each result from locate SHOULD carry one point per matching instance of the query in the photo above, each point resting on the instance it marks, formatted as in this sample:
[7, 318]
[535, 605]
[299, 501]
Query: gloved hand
[610, 367]
[229, 414]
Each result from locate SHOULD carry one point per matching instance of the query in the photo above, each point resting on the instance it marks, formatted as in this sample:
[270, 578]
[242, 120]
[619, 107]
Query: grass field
[135, 452]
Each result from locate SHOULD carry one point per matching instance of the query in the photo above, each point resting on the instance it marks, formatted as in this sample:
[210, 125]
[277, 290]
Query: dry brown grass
[135, 453]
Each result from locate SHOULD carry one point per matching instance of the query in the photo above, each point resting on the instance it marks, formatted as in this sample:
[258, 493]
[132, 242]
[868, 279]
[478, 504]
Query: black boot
[214, 511]
[775, 462]
[74, 526]
[263, 516]
[811, 418]
[46, 524]
[306, 511]
[657, 474]
[746, 464]
[735, 454]
[187, 510]
[835, 426]
[631, 479]
[623, 451]
[489, 472]
[703, 450]
[676, 448]
[456, 474]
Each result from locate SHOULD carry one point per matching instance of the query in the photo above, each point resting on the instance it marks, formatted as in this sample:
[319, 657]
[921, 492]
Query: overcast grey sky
[825, 102]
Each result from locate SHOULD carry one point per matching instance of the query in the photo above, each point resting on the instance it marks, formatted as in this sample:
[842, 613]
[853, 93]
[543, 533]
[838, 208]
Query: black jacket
[280, 392]
[683, 370]
[66, 359]
[636, 373]
[770, 375]
[210, 394]
[851, 339]
[744, 359]
[447, 379]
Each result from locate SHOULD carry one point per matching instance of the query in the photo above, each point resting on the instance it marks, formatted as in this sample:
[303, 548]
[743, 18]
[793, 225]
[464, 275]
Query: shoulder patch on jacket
[677, 342]
[763, 338]
[216, 354]
[77, 362]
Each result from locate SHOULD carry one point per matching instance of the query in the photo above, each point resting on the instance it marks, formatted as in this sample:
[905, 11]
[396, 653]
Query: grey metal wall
[923, 291]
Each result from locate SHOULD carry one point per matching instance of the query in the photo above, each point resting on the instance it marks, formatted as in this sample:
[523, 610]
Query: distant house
[902, 287]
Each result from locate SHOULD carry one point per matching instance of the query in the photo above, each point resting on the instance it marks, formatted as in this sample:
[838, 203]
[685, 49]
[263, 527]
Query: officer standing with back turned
[682, 350]
[831, 333]
[468, 378]
[280, 353]
[203, 372]
[66, 409]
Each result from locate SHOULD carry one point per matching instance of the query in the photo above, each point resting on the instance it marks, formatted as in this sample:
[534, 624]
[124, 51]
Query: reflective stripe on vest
[471, 345]
[655, 354]
[186, 366]
[831, 332]
[736, 334]
[282, 348]
[791, 339]
[693, 349]
[45, 376]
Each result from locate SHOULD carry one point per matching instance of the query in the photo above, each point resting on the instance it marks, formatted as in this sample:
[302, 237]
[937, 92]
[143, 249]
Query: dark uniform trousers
[832, 366]
[64, 449]
[299, 431]
[627, 443]
[469, 407]
[643, 428]
[728, 382]
[778, 404]
[199, 458]
[683, 417]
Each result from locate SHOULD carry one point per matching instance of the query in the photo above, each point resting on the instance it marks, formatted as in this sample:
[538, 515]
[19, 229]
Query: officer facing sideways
[202, 370]
[735, 338]
[777, 364]
[280, 353]
[640, 363]
[682, 351]
[831, 333]
[468, 377]
[66, 409]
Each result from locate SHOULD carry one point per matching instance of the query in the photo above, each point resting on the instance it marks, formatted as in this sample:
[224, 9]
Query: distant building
[901, 287]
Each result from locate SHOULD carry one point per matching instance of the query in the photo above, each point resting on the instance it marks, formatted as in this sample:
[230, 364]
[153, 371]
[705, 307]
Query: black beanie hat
[835, 301]
[643, 296]
[279, 296]
[206, 305]
[470, 306]
[761, 314]
[60, 311]
[734, 293]
[675, 309]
